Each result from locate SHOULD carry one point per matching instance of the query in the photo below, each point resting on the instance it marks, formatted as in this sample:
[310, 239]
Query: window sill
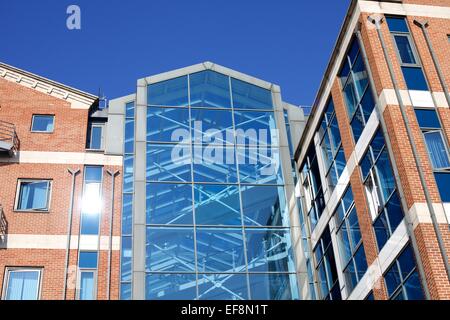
[95, 150]
[31, 211]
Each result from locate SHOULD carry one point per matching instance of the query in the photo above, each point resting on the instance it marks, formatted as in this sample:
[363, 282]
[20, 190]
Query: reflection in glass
[254, 127]
[168, 163]
[170, 287]
[248, 96]
[222, 287]
[170, 93]
[273, 286]
[210, 89]
[259, 166]
[162, 122]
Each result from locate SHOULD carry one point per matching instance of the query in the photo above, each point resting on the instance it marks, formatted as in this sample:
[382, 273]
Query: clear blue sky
[287, 42]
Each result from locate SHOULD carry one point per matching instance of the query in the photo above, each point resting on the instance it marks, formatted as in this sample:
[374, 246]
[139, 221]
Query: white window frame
[8, 271]
[42, 115]
[102, 142]
[49, 195]
[78, 290]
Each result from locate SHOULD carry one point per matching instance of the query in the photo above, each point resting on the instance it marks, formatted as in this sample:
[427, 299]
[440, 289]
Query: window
[402, 279]
[326, 268]
[43, 123]
[381, 191]
[409, 60]
[92, 201]
[87, 284]
[96, 131]
[33, 195]
[358, 95]
[170, 93]
[349, 238]
[22, 284]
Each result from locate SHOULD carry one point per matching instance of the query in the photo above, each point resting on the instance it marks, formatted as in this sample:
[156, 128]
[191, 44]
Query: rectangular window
[33, 195]
[43, 123]
[96, 136]
[87, 283]
[92, 200]
[22, 284]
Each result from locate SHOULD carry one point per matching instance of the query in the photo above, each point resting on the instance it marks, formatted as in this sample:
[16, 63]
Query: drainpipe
[111, 219]
[394, 168]
[424, 25]
[376, 20]
[69, 229]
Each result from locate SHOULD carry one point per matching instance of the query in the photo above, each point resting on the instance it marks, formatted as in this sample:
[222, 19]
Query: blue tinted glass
[404, 49]
[347, 199]
[357, 126]
[350, 98]
[259, 166]
[370, 297]
[87, 283]
[273, 286]
[222, 287]
[169, 203]
[33, 195]
[93, 174]
[126, 258]
[96, 137]
[43, 123]
[326, 151]
[217, 205]
[129, 110]
[350, 276]
[170, 250]
[360, 262]
[397, 24]
[366, 165]
[253, 127]
[353, 51]
[210, 89]
[344, 72]
[264, 205]
[392, 279]
[360, 76]
[128, 170]
[340, 161]
[381, 229]
[214, 163]
[354, 231]
[88, 260]
[127, 214]
[367, 104]
[335, 134]
[129, 136]
[269, 250]
[427, 118]
[377, 144]
[23, 285]
[414, 78]
[168, 162]
[169, 93]
[443, 183]
[406, 261]
[170, 287]
[413, 287]
[394, 212]
[125, 291]
[220, 250]
[89, 223]
[212, 126]
[385, 175]
[162, 124]
[248, 96]
[344, 244]
[437, 150]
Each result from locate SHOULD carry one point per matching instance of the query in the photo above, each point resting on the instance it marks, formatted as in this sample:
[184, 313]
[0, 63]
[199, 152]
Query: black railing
[9, 136]
[3, 225]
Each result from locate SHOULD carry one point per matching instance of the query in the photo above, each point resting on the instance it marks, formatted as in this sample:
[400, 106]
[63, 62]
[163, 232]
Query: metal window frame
[6, 278]
[20, 182]
[80, 271]
[102, 126]
[42, 115]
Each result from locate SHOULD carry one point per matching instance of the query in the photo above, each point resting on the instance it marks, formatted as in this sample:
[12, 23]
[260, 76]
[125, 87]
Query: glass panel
[43, 123]
[129, 136]
[168, 163]
[170, 287]
[406, 261]
[269, 250]
[335, 134]
[415, 80]
[350, 276]
[360, 262]
[171, 93]
[93, 174]
[128, 169]
[127, 214]
[367, 104]
[125, 291]
[381, 229]
[87, 285]
[354, 231]
[248, 96]
[220, 250]
[88, 260]
[254, 128]
[385, 175]
[427, 118]
[96, 137]
[222, 287]
[357, 125]
[264, 206]
[273, 286]
[168, 124]
[214, 163]
[377, 144]
[217, 205]
[350, 98]
[354, 49]
[344, 244]
[443, 183]
[129, 107]
[437, 150]
[23, 285]
[169, 203]
[212, 126]
[397, 24]
[413, 287]
[170, 249]
[259, 166]
[394, 212]
[392, 279]
[326, 151]
[404, 49]
[210, 89]
[33, 195]
[360, 76]
[126, 258]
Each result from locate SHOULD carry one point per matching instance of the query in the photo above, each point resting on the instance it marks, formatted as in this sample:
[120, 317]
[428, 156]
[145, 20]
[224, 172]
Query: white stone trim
[404, 9]
[76, 98]
[419, 213]
[82, 158]
[58, 242]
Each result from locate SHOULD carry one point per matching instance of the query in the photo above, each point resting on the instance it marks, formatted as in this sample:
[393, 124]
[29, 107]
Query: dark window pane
[385, 175]
[367, 104]
[413, 288]
[210, 89]
[357, 126]
[406, 261]
[88, 260]
[404, 49]
[43, 123]
[360, 262]
[381, 229]
[397, 24]
[415, 80]
[169, 203]
[169, 93]
[248, 96]
[360, 76]
[377, 143]
[353, 51]
[170, 287]
[394, 212]
[392, 279]
[335, 134]
[222, 287]
[443, 183]
[427, 118]
[354, 231]
[350, 98]
[350, 276]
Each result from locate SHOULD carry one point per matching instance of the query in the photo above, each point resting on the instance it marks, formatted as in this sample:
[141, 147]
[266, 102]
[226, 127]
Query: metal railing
[3, 225]
[8, 134]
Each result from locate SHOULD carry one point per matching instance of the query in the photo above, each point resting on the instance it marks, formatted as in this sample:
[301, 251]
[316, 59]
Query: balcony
[9, 142]
[3, 226]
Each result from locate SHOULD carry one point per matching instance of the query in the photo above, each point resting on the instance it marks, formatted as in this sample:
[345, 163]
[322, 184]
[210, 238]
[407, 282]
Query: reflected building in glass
[209, 210]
